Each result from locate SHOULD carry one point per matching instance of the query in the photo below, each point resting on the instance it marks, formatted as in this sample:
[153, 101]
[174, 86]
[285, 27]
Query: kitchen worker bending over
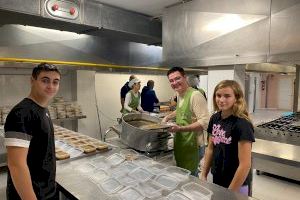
[191, 119]
[29, 140]
[133, 98]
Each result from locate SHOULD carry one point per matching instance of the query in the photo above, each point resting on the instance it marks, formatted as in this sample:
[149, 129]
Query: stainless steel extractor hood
[207, 33]
[82, 16]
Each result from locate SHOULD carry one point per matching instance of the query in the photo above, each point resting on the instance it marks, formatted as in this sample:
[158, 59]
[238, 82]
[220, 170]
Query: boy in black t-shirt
[29, 139]
[230, 139]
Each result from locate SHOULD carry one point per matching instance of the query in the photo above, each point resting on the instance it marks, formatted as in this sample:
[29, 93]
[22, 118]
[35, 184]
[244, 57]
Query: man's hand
[174, 128]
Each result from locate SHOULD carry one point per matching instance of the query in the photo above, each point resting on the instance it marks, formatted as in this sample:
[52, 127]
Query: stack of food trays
[69, 144]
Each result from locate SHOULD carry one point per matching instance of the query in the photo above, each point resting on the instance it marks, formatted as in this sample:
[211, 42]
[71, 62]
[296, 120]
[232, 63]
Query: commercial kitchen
[98, 44]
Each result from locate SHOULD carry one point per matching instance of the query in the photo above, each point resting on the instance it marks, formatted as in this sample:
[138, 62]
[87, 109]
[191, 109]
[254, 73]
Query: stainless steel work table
[76, 186]
[277, 158]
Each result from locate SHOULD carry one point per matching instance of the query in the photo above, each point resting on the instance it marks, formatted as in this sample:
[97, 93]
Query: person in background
[124, 91]
[193, 81]
[230, 139]
[133, 98]
[148, 97]
[29, 140]
[191, 119]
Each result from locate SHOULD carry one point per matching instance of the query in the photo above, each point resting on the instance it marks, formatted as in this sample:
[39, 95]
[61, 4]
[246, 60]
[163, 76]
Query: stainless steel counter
[2, 148]
[81, 187]
[277, 158]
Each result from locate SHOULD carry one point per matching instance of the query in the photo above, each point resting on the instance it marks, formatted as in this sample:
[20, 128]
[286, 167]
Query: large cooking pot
[140, 139]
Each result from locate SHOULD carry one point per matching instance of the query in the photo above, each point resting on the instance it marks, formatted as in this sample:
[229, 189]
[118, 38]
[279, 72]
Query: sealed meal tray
[167, 182]
[129, 154]
[178, 195]
[180, 173]
[197, 191]
[85, 168]
[110, 186]
[130, 193]
[143, 161]
[156, 168]
[115, 159]
[141, 174]
[150, 189]
[98, 175]
[100, 162]
[127, 180]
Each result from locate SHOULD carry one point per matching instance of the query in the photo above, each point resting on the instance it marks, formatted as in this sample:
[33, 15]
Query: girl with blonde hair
[231, 134]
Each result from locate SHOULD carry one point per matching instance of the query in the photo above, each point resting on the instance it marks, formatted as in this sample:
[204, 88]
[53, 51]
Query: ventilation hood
[82, 16]
[207, 33]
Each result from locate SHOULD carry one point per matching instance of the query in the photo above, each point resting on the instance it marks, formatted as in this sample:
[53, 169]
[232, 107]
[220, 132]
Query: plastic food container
[141, 174]
[167, 182]
[115, 159]
[179, 173]
[110, 186]
[178, 195]
[156, 168]
[150, 189]
[98, 175]
[128, 166]
[143, 161]
[130, 193]
[127, 180]
[101, 162]
[85, 168]
[129, 154]
[196, 191]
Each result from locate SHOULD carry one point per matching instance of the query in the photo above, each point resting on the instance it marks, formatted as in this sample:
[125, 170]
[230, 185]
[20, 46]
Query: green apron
[134, 103]
[185, 143]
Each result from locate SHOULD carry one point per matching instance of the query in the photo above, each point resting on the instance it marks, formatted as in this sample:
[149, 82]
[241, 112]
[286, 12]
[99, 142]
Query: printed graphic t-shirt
[226, 133]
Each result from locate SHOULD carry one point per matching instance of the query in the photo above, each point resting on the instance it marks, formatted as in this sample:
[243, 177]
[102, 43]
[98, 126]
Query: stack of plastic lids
[177, 172]
[110, 186]
[141, 174]
[149, 189]
[166, 182]
[196, 191]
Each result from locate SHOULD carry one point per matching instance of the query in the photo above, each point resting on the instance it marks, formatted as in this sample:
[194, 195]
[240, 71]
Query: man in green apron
[191, 119]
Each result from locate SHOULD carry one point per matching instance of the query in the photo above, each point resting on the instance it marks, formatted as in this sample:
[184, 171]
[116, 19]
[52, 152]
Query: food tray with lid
[130, 193]
[178, 195]
[149, 189]
[141, 174]
[98, 175]
[167, 182]
[179, 173]
[196, 191]
[100, 162]
[115, 159]
[85, 168]
[110, 185]
[127, 180]
[143, 161]
[156, 168]
[129, 154]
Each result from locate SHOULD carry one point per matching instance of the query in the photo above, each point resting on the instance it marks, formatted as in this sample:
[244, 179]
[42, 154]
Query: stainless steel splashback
[205, 33]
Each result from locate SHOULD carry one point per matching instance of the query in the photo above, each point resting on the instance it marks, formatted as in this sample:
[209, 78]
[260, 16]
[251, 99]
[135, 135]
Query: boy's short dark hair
[176, 69]
[44, 67]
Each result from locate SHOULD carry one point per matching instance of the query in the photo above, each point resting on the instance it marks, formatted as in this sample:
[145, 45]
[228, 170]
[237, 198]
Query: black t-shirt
[226, 133]
[124, 90]
[30, 124]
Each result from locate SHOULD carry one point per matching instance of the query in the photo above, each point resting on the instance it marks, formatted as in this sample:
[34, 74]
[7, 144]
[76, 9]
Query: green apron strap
[185, 143]
[134, 102]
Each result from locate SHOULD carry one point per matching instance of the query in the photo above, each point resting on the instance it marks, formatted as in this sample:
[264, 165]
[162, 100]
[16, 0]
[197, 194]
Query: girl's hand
[202, 177]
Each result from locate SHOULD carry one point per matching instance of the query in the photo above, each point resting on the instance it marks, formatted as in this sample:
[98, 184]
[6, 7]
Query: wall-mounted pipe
[96, 65]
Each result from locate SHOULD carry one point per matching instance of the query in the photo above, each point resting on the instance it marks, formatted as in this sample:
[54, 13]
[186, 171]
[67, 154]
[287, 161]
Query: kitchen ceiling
[152, 8]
